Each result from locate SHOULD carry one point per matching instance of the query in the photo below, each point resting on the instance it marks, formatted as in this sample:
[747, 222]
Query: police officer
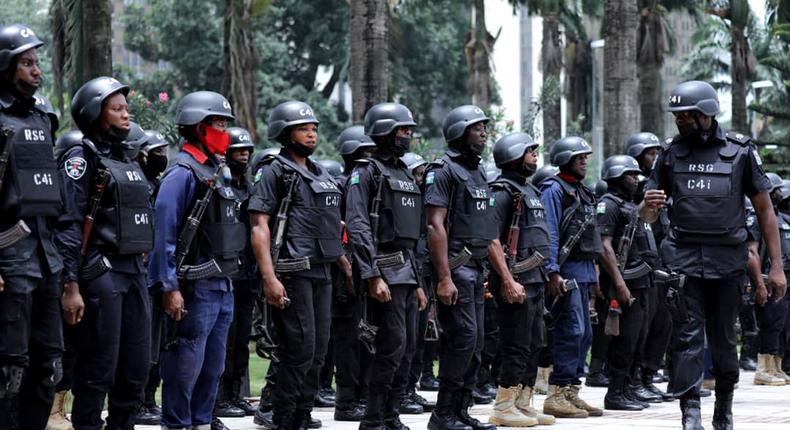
[383, 206]
[460, 226]
[770, 313]
[570, 214]
[193, 275]
[296, 266]
[230, 403]
[153, 156]
[354, 145]
[626, 275]
[106, 229]
[518, 287]
[30, 200]
[707, 171]
[649, 355]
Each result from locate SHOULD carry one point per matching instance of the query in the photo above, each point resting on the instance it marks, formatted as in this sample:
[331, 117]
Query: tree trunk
[577, 88]
[652, 45]
[621, 110]
[478, 50]
[650, 98]
[227, 21]
[243, 64]
[369, 55]
[96, 46]
[57, 16]
[739, 73]
[551, 62]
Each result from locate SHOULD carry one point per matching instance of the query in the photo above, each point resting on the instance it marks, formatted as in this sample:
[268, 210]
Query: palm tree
[621, 111]
[369, 55]
[478, 49]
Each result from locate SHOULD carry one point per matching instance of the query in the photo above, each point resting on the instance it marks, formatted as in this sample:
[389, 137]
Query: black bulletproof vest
[400, 209]
[31, 184]
[314, 228]
[220, 236]
[578, 202]
[533, 230]
[471, 218]
[784, 238]
[124, 220]
[707, 193]
[248, 269]
[643, 247]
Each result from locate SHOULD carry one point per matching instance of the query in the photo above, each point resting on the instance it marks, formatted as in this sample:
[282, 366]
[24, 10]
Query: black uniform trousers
[462, 336]
[237, 357]
[489, 361]
[658, 330]
[520, 337]
[31, 346]
[600, 342]
[396, 322]
[345, 321]
[113, 350]
[712, 306]
[622, 348]
[303, 332]
[770, 321]
[401, 380]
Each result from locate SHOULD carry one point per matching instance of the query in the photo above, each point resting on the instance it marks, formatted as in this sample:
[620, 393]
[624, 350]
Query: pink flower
[148, 103]
[163, 97]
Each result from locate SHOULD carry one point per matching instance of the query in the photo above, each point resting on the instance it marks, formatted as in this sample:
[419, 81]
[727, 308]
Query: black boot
[648, 376]
[409, 407]
[217, 424]
[303, 420]
[374, 412]
[279, 422]
[463, 401]
[346, 406]
[391, 410]
[443, 417]
[422, 401]
[616, 398]
[147, 416]
[238, 401]
[223, 407]
[428, 382]
[596, 377]
[481, 398]
[748, 352]
[692, 416]
[628, 392]
[639, 390]
[264, 419]
[722, 411]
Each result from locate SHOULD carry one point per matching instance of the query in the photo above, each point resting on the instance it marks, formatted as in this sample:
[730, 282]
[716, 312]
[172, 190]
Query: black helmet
[288, 114]
[240, 138]
[694, 95]
[618, 165]
[14, 40]
[67, 140]
[87, 102]
[332, 167]
[544, 172]
[512, 147]
[776, 181]
[413, 160]
[600, 188]
[492, 172]
[458, 119]
[155, 140]
[135, 140]
[383, 118]
[196, 107]
[352, 139]
[785, 189]
[566, 148]
[637, 143]
[45, 106]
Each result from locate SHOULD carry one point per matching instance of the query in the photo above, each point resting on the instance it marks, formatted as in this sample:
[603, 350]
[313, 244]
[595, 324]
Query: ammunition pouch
[460, 259]
[527, 264]
[288, 265]
[206, 270]
[394, 259]
[89, 273]
[19, 231]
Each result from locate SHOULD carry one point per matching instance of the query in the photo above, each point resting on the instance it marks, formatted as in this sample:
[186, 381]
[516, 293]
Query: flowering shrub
[154, 115]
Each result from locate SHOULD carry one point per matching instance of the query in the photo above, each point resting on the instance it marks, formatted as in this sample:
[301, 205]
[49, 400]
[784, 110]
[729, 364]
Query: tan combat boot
[557, 404]
[542, 381]
[776, 367]
[524, 405]
[57, 416]
[764, 375]
[505, 412]
[572, 394]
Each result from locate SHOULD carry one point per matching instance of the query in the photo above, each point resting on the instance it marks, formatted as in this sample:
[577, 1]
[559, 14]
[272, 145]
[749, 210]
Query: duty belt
[19, 231]
[287, 265]
[394, 259]
[460, 259]
[89, 273]
[529, 263]
[206, 270]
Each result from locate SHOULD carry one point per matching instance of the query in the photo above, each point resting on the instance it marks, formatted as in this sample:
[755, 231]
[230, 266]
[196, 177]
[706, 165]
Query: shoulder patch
[601, 208]
[354, 177]
[75, 167]
[429, 178]
[738, 138]
[258, 174]
[757, 157]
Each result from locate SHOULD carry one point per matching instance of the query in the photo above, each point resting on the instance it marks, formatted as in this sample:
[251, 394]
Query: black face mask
[528, 169]
[400, 145]
[114, 134]
[237, 168]
[687, 129]
[154, 166]
[300, 150]
[477, 149]
[23, 89]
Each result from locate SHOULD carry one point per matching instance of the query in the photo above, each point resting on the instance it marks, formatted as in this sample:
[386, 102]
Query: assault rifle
[624, 248]
[513, 234]
[565, 250]
[20, 230]
[99, 185]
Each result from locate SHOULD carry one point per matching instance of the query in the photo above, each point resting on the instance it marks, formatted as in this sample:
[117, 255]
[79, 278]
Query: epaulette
[740, 139]
[668, 142]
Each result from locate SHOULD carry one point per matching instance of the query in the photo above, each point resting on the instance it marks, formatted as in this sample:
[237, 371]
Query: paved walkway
[754, 408]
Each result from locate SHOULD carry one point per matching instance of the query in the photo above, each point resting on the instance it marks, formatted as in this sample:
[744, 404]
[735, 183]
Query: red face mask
[215, 140]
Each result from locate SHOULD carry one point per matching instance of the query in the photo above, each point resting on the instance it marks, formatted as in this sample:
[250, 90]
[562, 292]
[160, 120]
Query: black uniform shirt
[266, 196]
[612, 221]
[699, 259]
